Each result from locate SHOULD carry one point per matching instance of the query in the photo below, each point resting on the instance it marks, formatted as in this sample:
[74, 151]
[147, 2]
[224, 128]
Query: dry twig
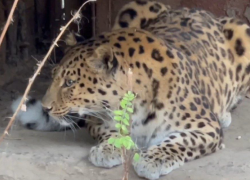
[10, 18]
[40, 65]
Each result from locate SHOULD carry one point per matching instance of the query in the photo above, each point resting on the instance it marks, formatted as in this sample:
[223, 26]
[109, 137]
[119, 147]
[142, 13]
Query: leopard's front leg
[103, 154]
[179, 147]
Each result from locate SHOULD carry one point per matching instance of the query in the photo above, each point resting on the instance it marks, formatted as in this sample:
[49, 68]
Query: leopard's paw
[105, 155]
[152, 168]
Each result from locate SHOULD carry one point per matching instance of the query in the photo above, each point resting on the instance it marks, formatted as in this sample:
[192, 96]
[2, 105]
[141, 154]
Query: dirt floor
[31, 155]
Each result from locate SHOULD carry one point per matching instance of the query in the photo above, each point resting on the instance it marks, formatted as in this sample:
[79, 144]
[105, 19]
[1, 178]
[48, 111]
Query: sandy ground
[31, 155]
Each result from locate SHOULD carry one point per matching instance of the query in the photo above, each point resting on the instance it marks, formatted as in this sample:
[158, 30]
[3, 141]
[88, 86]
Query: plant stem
[10, 18]
[125, 176]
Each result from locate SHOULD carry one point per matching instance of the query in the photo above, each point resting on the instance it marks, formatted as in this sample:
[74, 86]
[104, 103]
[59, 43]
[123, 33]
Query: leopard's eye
[69, 82]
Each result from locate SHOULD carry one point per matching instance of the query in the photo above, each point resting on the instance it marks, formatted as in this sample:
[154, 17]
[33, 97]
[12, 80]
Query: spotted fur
[190, 69]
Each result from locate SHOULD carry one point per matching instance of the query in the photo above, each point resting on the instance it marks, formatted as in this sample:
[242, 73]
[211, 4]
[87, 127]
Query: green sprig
[122, 117]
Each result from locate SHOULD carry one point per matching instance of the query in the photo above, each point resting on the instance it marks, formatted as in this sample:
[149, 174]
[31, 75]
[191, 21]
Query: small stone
[222, 146]
[238, 138]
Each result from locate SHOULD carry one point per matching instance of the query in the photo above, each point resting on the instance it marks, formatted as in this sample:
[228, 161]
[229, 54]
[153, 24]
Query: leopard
[190, 70]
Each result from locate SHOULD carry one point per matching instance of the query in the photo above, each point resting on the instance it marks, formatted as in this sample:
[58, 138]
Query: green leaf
[129, 93]
[131, 96]
[126, 116]
[118, 118]
[123, 104]
[117, 143]
[125, 121]
[111, 140]
[118, 112]
[123, 127]
[130, 110]
[131, 99]
[118, 125]
[125, 132]
[132, 143]
[122, 140]
[125, 144]
[125, 98]
[129, 146]
[129, 104]
[127, 138]
[136, 157]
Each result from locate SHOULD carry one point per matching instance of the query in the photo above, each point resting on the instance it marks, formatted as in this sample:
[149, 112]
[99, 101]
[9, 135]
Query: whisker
[70, 125]
[94, 114]
[100, 112]
[72, 121]
[86, 120]
[72, 116]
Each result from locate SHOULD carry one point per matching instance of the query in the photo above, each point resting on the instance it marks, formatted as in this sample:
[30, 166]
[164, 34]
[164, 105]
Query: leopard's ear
[103, 60]
[72, 39]
[54, 71]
